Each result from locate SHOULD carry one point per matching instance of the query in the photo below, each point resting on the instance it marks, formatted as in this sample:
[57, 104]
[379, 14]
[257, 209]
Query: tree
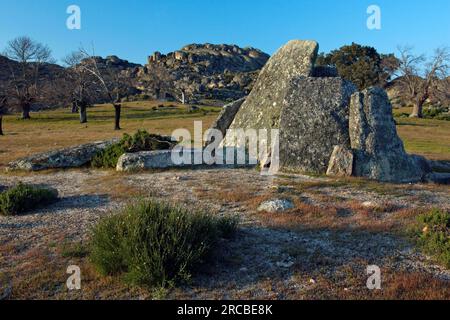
[82, 81]
[26, 79]
[362, 65]
[3, 103]
[115, 85]
[421, 78]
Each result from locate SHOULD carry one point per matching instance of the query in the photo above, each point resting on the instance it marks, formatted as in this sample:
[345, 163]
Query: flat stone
[277, 205]
[73, 157]
[438, 178]
[162, 159]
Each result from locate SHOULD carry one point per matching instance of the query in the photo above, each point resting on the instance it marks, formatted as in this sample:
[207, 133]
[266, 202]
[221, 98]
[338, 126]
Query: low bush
[156, 244]
[438, 113]
[22, 198]
[432, 235]
[140, 141]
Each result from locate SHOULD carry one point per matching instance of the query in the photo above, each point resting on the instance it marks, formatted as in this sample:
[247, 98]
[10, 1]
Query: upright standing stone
[379, 151]
[262, 108]
[225, 118]
[314, 120]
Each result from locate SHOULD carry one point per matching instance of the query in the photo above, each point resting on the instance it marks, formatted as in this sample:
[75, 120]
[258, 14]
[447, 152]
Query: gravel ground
[258, 253]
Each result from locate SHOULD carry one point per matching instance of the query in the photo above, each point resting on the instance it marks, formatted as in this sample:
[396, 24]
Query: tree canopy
[362, 65]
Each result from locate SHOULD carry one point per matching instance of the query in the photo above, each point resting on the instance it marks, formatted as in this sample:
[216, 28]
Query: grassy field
[60, 128]
[430, 138]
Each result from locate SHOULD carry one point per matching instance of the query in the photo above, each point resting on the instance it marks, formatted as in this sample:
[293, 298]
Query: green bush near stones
[156, 244]
[23, 198]
[140, 141]
[432, 235]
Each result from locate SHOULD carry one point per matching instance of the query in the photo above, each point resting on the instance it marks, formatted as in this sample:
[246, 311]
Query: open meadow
[48, 130]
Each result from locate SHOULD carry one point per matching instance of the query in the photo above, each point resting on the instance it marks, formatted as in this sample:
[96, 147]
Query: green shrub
[140, 141]
[22, 198]
[432, 235]
[436, 112]
[156, 244]
[109, 157]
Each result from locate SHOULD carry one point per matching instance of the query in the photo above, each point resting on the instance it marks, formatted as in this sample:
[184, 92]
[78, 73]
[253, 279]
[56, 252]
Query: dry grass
[60, 128]
[430, 138]
[348, 215]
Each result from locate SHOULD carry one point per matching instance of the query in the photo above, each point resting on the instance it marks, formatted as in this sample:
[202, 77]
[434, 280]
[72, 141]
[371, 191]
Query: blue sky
[133, 29]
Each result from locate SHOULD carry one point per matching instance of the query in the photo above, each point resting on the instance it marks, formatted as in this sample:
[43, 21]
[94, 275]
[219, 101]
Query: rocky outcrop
[262, 108]
[378, 150]
[314, 119]
[202, 71]
[73, 157]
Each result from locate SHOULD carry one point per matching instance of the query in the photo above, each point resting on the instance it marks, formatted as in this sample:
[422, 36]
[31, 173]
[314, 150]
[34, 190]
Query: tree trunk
[1, 128]
[83, 114]
[117, 111]
[417, 110]
[74, 107]
[26, 111]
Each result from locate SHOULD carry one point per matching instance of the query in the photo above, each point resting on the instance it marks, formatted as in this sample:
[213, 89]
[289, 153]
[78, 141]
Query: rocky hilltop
[196, 72]
[200, 71]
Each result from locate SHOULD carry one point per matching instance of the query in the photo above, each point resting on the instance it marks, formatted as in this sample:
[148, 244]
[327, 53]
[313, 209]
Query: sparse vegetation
[22, 198]
[156, 244]
[432, 234]
[140, 141]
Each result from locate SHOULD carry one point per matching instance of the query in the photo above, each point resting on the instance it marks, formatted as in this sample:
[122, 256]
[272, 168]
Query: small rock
[277, 205]
[369, 204]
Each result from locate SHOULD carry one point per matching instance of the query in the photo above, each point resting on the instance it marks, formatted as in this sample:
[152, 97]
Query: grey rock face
[277, 205]
[226, 117]
[314, 120]
[341, 162]
[379, 151]
[262, 108]
[73, 157]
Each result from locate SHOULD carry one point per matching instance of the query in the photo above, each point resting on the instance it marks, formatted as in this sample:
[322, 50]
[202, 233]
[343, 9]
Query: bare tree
[82, 81]
[3, 103]
[26, 83]
[420, 78]
[114, 84]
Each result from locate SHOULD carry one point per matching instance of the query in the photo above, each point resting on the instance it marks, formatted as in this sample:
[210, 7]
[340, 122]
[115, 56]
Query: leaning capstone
[379, 151]
[341, 162]
[73, 157]
[225, 118]
[262, 108]
[277, 205]
[314, 120]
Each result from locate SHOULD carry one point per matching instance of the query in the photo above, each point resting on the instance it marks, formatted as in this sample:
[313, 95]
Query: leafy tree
[362, 65]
